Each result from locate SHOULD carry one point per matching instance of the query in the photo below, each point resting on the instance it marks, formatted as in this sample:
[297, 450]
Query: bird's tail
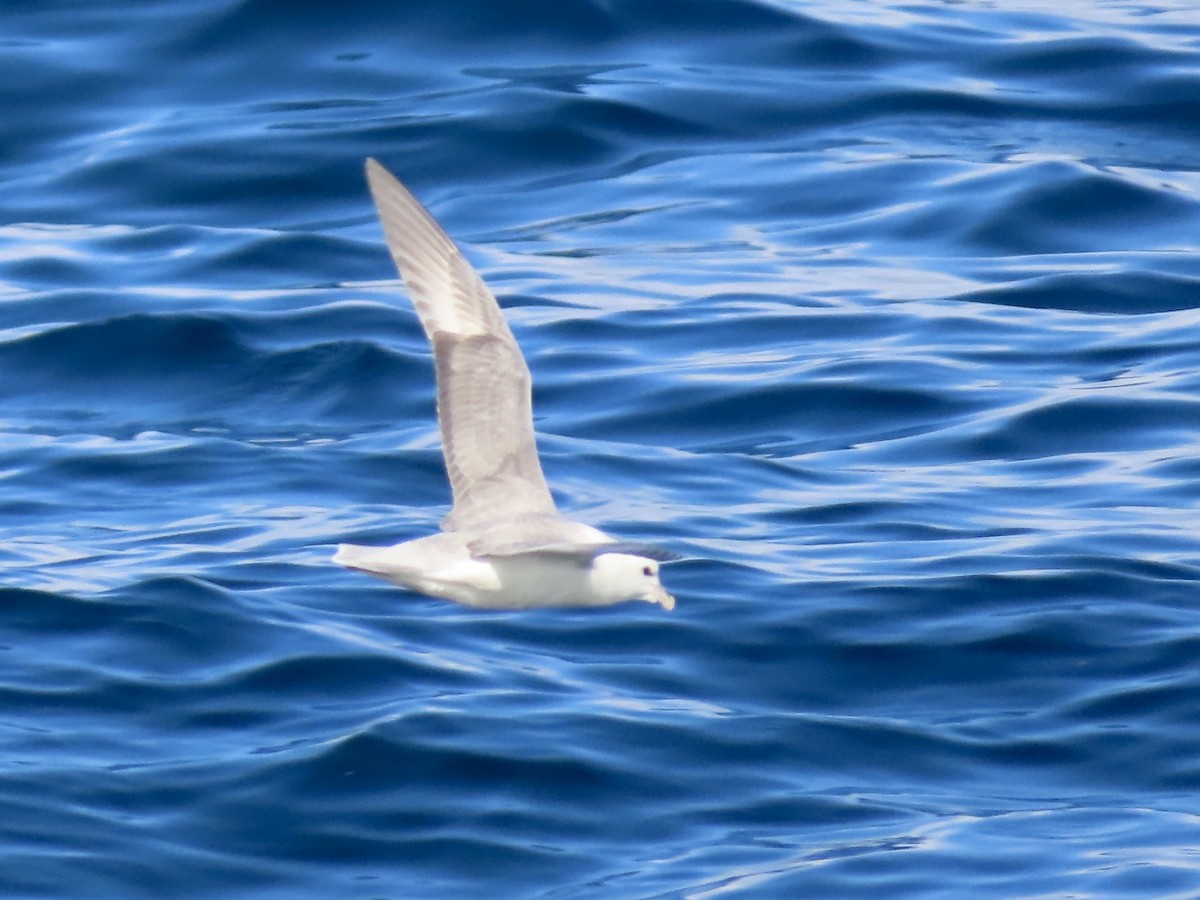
[364, 559]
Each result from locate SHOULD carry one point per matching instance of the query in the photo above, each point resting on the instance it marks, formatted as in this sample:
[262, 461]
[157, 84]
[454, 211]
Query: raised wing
[483, 384]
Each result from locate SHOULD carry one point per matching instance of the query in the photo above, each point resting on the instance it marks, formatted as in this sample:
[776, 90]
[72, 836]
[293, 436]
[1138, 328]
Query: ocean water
[885, 315]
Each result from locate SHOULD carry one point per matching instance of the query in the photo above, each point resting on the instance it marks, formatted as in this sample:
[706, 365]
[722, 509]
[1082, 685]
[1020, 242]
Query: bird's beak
[659, 595]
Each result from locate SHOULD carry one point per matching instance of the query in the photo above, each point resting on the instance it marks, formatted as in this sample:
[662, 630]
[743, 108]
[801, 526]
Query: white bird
[504, 544]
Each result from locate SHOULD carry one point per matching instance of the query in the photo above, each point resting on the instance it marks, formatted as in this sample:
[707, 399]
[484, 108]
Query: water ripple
[884, 315]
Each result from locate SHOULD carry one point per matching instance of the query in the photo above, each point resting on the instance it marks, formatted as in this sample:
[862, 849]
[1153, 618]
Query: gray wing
[583, 551]
[518, 535]
[483, 385]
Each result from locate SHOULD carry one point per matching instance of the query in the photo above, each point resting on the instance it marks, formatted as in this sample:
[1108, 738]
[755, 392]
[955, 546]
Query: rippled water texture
[886, 315]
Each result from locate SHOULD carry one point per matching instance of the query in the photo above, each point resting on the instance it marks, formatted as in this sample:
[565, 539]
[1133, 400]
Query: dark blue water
[887, 315]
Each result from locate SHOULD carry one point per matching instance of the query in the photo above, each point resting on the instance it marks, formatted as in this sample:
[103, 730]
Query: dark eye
[647, 571]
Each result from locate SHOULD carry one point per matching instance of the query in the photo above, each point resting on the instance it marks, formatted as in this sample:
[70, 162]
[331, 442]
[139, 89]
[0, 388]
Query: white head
[624, 576]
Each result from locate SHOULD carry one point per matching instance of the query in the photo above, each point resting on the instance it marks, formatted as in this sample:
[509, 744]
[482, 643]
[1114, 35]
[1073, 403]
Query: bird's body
[504, 544]
[441, 565]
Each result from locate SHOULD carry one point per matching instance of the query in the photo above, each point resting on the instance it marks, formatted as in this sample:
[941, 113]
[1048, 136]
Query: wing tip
[378, 176]
[636, 548]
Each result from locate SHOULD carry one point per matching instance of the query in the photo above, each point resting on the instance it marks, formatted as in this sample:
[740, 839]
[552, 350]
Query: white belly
[441, 566]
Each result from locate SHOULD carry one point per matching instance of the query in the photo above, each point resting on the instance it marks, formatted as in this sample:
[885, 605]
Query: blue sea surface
[885, 314]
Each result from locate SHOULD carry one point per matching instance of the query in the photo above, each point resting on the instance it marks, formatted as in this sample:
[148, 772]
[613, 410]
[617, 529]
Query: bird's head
[626, 576]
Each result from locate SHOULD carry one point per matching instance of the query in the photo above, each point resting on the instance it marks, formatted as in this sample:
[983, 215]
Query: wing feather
[485, 408]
